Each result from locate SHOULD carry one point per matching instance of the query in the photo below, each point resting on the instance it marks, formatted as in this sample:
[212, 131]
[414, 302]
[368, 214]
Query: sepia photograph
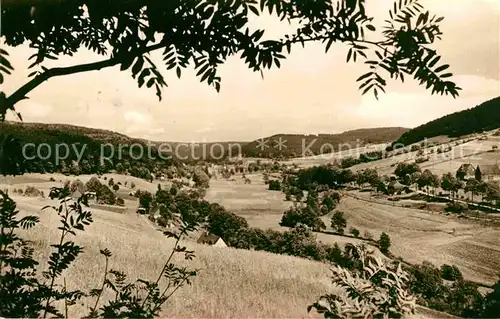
[250, 159]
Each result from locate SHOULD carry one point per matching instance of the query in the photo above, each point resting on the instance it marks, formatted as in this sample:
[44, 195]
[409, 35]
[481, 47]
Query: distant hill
[296, 145]
[82, 150]
[53, 134]
[48, 132]
[483, 117]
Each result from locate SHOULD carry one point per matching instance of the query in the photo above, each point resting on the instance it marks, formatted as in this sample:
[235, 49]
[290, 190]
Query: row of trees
[410, 174]
[461, 298]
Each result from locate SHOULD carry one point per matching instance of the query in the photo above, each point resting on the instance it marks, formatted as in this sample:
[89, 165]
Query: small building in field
[212, 240]
[396, 187]
[488, 173]
[465, 172]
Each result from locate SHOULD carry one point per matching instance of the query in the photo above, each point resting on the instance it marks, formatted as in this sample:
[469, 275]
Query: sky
[311, 93]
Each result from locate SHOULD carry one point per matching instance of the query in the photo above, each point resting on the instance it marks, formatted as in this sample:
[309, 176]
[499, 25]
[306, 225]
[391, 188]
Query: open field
[474, 152]
[262, 208]
[231, 283]
[42, 182]
[416, 235]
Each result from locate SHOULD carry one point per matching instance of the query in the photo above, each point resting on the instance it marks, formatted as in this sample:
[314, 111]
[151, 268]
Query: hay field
[417, 235]
[259, 206]
[231, 283]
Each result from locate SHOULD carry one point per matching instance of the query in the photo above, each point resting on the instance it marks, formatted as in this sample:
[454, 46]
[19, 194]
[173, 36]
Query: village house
[396, 186]
[465, 172]
[212, 240]
[488, 173]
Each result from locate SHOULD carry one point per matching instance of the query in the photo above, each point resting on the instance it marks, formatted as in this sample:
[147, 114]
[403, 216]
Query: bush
[173, 190]
[420, 160]
[384, 243]
[77, 185]
[451, 273]
[492, 300]
[274, 185]
[52, 179]
[339, 222]
[145, 200]
[225, 224]
[385, 293]
[330, 202]
[354, 232]
[302, 215]
[106, 196]
[103, 194]
[32, 192]
[162, 221]
[24, 296]
[120, 201]
[201, 178]
[456, 208]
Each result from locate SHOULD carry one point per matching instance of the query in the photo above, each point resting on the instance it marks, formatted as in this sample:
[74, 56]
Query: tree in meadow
[339, 222]
[384, 243]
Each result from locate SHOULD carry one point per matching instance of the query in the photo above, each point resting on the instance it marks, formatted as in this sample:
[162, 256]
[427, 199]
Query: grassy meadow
[230, 283]
[241, 283]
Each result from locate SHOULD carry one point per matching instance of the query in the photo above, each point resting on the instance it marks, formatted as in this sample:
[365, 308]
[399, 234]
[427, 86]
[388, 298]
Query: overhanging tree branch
[20, 94]
[208, 33]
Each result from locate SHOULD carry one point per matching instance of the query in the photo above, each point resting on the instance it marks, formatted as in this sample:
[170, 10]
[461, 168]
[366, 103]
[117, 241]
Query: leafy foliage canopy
[207, 32]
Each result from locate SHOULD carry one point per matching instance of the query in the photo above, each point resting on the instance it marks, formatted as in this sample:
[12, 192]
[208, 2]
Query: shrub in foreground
[25, 294]
[376, 290]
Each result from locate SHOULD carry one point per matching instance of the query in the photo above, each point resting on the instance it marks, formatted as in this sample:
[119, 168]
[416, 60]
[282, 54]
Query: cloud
[135, 117]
